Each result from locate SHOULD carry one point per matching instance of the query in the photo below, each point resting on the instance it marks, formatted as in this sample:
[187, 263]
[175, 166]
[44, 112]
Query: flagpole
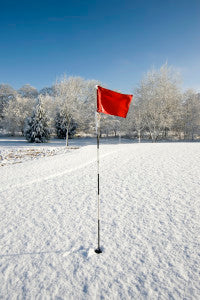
[110, 103]
[98, 250]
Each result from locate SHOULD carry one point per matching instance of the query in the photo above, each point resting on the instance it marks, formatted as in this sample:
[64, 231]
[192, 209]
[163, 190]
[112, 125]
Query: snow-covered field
[150, 221]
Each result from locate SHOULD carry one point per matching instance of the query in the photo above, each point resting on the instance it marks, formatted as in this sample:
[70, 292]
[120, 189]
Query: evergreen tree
[36, 129]
[61, 125]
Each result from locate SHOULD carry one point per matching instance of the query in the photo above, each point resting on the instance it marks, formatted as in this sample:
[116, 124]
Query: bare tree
[88, 106]
[68, 92]
[47, 91]
[191, 114]
[158, 97]
[28, 91]
[15, 114]
[7, 93]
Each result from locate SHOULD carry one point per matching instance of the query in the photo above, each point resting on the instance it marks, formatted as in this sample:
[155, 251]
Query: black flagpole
[98, 250]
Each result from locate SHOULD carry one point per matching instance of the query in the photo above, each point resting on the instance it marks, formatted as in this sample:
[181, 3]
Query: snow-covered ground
[150, 222]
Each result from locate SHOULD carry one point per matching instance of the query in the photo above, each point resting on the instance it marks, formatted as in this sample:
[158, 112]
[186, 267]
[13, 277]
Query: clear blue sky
[114, 41]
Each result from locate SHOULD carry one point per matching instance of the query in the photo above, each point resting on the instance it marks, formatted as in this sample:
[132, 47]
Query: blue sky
[113, 41]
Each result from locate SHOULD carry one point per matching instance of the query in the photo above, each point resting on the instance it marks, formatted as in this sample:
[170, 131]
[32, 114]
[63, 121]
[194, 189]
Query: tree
[68, 92]
[28, 91]
[37, 127]
[7, 93]
[135, 123]
[88, 106]
[50, 107]
[15, 114]
[158, 98]
[191, 113]
[47, 91]
[61, 126]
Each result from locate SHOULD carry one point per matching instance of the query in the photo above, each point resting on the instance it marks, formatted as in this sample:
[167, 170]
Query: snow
[150, 223]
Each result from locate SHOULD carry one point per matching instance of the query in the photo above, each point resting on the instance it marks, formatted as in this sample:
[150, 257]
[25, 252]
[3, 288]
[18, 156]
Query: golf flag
[112, 103]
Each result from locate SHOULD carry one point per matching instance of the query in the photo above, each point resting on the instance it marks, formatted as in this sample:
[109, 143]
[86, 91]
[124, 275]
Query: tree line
[159, 110]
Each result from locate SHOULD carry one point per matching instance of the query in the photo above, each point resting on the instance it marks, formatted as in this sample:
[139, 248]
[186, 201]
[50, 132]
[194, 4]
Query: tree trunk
[154, 138]
[192, 133]
[119, 137]
[139, 136]
[67, 135]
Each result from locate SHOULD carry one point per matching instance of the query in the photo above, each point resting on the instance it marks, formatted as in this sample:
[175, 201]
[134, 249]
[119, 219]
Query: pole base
[98, 250]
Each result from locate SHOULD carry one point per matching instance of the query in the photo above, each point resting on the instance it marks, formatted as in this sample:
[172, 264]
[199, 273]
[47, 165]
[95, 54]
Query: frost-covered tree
[61, 126]
[37, 127]
[16, 112]
[191, 114]
[134, 125]
[110, 125]
[47, 91]
[158, 98]
[68, 93]
[50, 107]
[88, 106]
[28, 91]
[7, 93]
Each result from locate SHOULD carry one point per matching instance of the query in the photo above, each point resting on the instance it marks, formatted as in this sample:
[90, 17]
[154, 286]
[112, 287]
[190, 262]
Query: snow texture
[150, 223]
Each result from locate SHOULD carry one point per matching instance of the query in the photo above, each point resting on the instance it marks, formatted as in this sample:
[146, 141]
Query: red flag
[112, 103]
